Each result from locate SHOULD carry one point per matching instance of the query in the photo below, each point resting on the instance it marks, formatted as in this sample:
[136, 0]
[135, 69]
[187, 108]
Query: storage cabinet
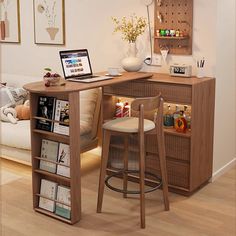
[190, 154]
[72, 140]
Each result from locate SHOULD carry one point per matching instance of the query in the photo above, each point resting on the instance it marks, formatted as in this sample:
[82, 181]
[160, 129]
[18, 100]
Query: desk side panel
[202, 133]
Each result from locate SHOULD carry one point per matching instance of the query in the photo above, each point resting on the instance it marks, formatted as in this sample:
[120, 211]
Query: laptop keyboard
[91, 79]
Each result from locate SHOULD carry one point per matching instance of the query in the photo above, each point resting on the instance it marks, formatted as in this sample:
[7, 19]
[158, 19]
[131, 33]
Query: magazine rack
[73, 140]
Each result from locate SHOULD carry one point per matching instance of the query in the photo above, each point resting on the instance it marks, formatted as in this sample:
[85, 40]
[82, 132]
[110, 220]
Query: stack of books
[55, 198]
[51, 109]
[55, 157]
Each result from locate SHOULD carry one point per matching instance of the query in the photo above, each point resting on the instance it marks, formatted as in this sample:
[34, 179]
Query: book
[49, 151]
[46, 107]
[48, 189]
[63, 157]
[63, 196]
[62, 115]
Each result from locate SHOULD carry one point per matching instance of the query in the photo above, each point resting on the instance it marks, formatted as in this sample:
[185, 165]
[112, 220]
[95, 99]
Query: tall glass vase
[132, 62]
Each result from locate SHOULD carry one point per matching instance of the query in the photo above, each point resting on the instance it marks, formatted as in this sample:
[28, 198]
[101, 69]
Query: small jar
[177, 33]
[167, 33]
[162, 32]
[172, 32]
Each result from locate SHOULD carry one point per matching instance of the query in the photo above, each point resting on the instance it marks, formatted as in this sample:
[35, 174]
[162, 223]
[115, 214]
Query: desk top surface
[39, 87]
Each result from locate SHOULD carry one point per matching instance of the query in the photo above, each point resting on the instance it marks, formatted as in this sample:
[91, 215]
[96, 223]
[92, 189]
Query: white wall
[89, 25]
[225, 112]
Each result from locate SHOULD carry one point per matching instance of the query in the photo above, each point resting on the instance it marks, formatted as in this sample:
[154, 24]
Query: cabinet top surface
[39, 87]
[166, 78]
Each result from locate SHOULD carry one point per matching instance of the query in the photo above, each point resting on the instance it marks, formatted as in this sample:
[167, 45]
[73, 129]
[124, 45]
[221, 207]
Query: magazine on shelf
[49, 151]
[63, 157]
[46, 107]
[48, 189]
[61, 115]
[63, 196]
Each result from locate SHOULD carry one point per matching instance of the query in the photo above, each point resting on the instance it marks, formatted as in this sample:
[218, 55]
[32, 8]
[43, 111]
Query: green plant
[130, 28]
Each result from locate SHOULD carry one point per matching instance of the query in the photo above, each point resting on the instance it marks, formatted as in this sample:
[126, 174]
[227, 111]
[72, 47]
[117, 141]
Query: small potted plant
[51, 78]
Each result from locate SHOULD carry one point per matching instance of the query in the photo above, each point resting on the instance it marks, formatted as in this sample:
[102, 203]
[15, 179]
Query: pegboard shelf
[171, 38]
[177, 16]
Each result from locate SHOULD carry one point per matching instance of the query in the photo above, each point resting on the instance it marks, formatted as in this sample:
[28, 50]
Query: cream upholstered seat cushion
[128, 125]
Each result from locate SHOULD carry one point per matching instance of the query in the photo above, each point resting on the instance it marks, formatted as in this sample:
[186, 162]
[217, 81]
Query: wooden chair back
[150, 107]
[149, 103]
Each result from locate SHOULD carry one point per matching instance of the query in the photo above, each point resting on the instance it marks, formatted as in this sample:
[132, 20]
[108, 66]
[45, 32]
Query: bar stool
[136, 125]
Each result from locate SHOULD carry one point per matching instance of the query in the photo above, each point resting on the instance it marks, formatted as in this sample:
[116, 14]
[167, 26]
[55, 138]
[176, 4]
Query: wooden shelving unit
[73, 140]
[174, 15]
[190, 154]
[171, 38]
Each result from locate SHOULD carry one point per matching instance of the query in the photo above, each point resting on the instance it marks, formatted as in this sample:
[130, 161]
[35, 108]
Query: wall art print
[49, 27]
[9, 21]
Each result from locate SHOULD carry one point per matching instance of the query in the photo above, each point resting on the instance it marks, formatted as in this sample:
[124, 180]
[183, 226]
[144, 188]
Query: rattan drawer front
[176, 93]
[176, 146]
[132, 89]
[178, 172]
[173, 92]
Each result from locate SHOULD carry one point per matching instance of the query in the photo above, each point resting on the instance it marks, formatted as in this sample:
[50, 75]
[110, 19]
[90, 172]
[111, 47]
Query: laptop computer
[77, 67]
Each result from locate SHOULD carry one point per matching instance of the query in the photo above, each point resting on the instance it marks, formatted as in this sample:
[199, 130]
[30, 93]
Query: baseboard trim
[222, 170]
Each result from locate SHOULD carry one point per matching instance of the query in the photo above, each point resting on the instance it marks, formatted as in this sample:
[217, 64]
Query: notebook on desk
[77, 66]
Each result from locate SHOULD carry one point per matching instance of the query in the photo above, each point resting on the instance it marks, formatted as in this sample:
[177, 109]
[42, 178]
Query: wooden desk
[189, 155]
[70, 91]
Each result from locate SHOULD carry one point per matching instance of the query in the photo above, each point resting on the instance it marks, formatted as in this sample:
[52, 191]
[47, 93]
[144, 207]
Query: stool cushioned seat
[128, 125]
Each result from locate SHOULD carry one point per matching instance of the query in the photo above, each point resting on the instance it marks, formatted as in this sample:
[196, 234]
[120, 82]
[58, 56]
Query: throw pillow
[12, 96]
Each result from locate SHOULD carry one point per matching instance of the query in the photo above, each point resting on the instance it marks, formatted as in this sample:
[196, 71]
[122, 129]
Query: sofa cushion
[16, 135]
[11, 96]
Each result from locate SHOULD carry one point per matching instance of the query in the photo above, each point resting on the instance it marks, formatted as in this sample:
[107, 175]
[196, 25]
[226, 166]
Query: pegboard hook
[159, 2]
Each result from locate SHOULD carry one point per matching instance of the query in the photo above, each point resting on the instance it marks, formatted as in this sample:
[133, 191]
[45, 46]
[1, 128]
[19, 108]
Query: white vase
[132, 62]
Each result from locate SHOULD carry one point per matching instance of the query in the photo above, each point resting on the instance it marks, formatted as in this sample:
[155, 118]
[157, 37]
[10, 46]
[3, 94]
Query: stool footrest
[151, 189]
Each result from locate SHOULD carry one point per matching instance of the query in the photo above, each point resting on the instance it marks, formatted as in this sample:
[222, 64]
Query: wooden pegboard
[177, 15]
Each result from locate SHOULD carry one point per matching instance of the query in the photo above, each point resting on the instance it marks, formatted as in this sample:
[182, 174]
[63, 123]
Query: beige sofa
[15, 138]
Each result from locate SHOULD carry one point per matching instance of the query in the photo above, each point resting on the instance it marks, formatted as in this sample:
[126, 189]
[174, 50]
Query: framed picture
[49, 22]
[9, 21]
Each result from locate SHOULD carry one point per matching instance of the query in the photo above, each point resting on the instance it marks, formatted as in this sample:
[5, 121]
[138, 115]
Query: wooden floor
[211, 211]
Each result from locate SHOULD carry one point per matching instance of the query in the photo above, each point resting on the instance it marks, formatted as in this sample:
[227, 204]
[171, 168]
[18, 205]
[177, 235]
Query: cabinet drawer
[130, 88]
[177, 93]
[178, 172]
[176, 146]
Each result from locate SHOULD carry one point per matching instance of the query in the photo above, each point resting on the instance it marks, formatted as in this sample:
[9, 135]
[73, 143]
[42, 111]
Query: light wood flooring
[210, 211]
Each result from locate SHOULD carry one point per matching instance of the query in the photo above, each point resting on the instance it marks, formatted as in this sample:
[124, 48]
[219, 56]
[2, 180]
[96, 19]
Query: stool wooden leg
[142, 169]
[162, 157]
[104, 159]
[125, 175]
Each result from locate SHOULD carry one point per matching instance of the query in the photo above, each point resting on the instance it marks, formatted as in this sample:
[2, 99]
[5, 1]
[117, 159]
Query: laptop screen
[75, 63]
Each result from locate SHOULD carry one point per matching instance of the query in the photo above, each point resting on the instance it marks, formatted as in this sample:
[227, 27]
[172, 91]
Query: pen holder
[200, 72]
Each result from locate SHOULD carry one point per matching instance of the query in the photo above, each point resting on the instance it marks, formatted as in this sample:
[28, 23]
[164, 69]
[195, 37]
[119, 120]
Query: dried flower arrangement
[130, 28]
